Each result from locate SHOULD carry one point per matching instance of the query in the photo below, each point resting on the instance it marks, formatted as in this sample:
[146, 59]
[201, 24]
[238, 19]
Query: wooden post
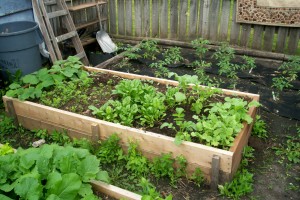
[95, 132]
[12, 112]
[215, 171]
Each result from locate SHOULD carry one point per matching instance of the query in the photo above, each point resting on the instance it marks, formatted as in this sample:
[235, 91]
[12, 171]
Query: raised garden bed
[212, 161]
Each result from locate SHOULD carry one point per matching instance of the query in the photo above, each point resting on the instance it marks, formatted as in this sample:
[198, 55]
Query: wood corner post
[11, 111]
[215, 171]
[95, 132]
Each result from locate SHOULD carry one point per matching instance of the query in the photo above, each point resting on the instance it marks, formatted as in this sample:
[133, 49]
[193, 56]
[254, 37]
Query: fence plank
[245, 35]
[214, 19]
[112, 17]
[192, 32]
[121, 17]
[128, 20]
[146, 18]
[293, 40]
[163, 19]
[257, 37]
[281, 37]
[205, 18]
[155, 18]
[174, 19]
[235, 27]
[138, 17]
[269, 37]
[224, 20]
[182, 19]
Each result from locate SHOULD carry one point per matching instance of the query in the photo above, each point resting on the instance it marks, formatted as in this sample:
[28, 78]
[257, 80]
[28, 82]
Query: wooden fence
[185, 20]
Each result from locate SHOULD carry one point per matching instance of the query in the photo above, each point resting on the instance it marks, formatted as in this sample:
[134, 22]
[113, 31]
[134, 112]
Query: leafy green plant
[198, 177]
[200, 67]
[172, 56]
[260, 128]
[161, 70]
[149, 191]
[162, 166]
[291, 149]
[6, 149]
[6, 125]
[32, 85]
[200, 46]
[289, 72]
[49, 172]
[150, 49]
[249, 63]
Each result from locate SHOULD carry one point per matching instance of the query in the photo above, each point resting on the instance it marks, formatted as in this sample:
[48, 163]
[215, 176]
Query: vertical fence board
[268, 38]
[146, 18]
[174, 19]
[183, 19]
[293, 40]
[281, 38]
[163, 19]
[192, 32]
[104, 14]
[138, 17]
[214, 19]
[155, 18]
[112, 17]
[224, 20]
[128, 17]
[245, 35]
[200, 23]
[205, 18]
[257, 37]
[235, 27]
[121, 17]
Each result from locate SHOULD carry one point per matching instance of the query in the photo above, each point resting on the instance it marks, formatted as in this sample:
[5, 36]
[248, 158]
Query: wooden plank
[257, 37]
[214, 20]
[128, 21]
[205, 18]
[281, 39]
[235, 27]
[200, 23]
[215, 171]
[85, 5]
[95, 132]
[138, 17]
[12, 112]
[224, 24]
[163, 30]
[114, 191]
[121, 17]
[66, 36]
[57, 13]
[193, 22]
[155, 18]
[112, 17]
[182, 19]
[293, 43]
[146, 18]
[268, 38]
[80, 26]
[174, 19]
[245, 35]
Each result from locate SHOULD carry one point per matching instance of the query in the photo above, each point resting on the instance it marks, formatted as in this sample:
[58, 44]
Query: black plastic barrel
[19, 48]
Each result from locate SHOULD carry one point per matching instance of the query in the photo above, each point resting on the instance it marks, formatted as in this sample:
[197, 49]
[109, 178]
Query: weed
[149, 191]
[198, 177]
[260, 128]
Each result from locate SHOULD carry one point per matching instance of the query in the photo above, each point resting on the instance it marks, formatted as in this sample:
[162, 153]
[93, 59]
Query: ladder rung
[57, 13]
[66, 36]
[79, 26]
[80, 55]
[85, 5]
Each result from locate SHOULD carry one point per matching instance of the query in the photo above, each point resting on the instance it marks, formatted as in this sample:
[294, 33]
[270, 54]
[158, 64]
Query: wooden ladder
[53, 41]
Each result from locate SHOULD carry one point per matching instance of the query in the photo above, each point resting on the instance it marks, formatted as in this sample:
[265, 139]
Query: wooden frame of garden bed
[217, 165]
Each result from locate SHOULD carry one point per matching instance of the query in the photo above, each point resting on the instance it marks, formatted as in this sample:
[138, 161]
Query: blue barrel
[19, 48]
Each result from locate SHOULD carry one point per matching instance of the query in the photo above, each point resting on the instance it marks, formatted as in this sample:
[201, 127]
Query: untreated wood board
[257, 37]
[214, 19]
[205, 18]
[269, 37]
[174, 19]
[121, 17]
[281, 38]
[224, 24]
[183, 20]
[128, 18]
[245, 35]
[193, 14]
[155, 18]
[112, 17]
[235, 27]
[138, 17]
[146, 18]
[163, 30]
[294, 37]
